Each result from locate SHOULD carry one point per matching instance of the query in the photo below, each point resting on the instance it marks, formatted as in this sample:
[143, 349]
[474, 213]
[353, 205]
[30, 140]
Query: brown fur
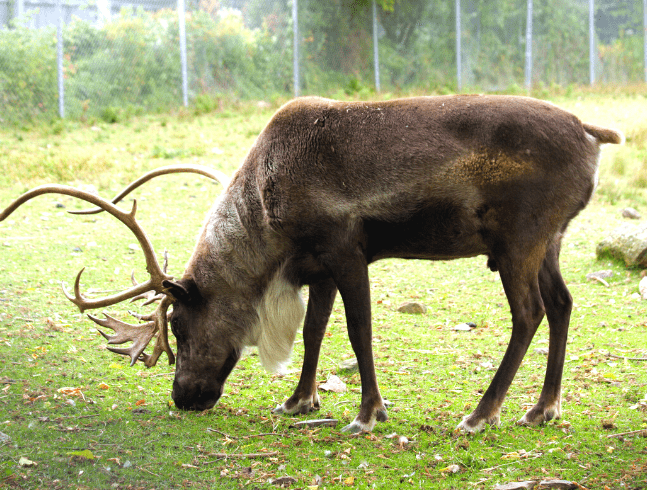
[330, 187]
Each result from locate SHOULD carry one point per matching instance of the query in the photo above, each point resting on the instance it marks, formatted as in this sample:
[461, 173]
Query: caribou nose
[195, 395]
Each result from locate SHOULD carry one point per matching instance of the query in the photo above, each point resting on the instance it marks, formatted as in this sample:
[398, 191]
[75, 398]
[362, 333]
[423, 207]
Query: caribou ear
[184, 291]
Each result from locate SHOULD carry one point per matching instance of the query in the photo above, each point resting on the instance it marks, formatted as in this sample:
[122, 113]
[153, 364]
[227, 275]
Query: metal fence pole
[182, 26]
[20, 8]
[458, 45]
[529, 45]
[376, 56]
[592, 41]
[295, 54]
[59, 59]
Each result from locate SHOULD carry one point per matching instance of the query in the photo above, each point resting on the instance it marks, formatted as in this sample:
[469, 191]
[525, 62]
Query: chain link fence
[85, 59]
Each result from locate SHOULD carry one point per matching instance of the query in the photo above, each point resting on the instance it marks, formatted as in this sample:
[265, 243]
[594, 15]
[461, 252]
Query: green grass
[88, 420]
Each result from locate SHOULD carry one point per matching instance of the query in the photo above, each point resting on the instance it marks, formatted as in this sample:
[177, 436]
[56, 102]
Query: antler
[140, 335]
[157, 322]
[169, 169]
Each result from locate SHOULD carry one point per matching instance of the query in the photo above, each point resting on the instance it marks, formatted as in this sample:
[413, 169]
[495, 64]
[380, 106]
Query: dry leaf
[334, 384]
[26, 462]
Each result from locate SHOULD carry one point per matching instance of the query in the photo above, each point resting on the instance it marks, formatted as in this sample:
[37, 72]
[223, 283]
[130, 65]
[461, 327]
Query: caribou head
[197, 390]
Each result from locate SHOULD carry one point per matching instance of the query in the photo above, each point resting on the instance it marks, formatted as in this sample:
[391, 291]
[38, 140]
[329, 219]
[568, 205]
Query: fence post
[295, 54]
[376, 56]
[529, 45]
[59, 59]
[592, 41]
[19, 7]
[645, 36]
[458, 45]
[182, 27]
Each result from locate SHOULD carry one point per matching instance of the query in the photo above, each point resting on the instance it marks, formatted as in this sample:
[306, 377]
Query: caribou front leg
[350, 272]
[320, 302]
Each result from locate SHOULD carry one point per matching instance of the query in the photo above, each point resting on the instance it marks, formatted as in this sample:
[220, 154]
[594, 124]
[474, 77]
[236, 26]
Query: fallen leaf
[140, 402]
[103, 386]
[82, 455]
[26, 462]
[334, 384]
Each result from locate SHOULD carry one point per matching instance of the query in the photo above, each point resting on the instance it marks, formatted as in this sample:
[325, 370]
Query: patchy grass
[87, 420]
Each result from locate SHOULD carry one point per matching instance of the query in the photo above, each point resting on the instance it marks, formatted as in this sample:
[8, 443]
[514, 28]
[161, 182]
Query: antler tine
[152, 266]
[140, 335]
[170, 169]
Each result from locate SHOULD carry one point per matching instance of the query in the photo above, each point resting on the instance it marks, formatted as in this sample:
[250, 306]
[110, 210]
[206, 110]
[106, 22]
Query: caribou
[330, 187]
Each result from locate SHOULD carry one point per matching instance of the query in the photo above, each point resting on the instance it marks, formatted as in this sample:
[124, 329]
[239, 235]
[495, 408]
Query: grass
[88, 420]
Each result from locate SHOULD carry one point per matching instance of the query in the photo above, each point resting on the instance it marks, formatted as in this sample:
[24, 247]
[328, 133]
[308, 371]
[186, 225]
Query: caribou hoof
[471, 424]
[301, 406]
[356, 426]
[540, 414]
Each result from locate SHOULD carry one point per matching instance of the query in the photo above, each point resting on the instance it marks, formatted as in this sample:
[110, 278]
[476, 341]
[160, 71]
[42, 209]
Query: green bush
[28, 83]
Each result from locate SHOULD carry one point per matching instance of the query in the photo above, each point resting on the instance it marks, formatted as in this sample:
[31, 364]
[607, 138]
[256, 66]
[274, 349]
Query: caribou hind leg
[558, 303]
[519, 271]
[320, 302]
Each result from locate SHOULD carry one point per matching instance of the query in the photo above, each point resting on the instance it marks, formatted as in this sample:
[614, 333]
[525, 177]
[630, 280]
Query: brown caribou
[330, 187]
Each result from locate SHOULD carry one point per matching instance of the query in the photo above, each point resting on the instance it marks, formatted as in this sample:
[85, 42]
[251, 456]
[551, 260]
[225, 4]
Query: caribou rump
[330, 187]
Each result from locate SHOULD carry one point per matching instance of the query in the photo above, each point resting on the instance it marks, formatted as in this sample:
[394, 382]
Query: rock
[517, 485]
[283, 481]
[605, 274]
[558, 484]
[348, 366]
[4, 437]
[630, 213]
[542, 350]
[412, 308]
[465, 327]
[627, 243]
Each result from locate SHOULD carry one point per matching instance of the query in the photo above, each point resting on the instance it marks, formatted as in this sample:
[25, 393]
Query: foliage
[132, 64]
[28, 86]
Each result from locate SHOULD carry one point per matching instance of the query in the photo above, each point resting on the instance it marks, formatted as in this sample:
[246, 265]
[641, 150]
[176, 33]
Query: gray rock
[517, 485]
[627, 243]
[412, 308]
[558, 484]
[630, 213]
[348, 366]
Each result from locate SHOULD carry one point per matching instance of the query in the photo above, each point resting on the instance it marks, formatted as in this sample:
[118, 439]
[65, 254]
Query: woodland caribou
[330, 187]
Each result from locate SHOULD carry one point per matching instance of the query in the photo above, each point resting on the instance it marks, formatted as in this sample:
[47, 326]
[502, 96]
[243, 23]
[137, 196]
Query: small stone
[4, 437]
[348, 366]
[413, 308]
[465, 327]
[517, 485]
[558, 484]
[542, 351]
[630, 213]
[642, 287]
[283, 481]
